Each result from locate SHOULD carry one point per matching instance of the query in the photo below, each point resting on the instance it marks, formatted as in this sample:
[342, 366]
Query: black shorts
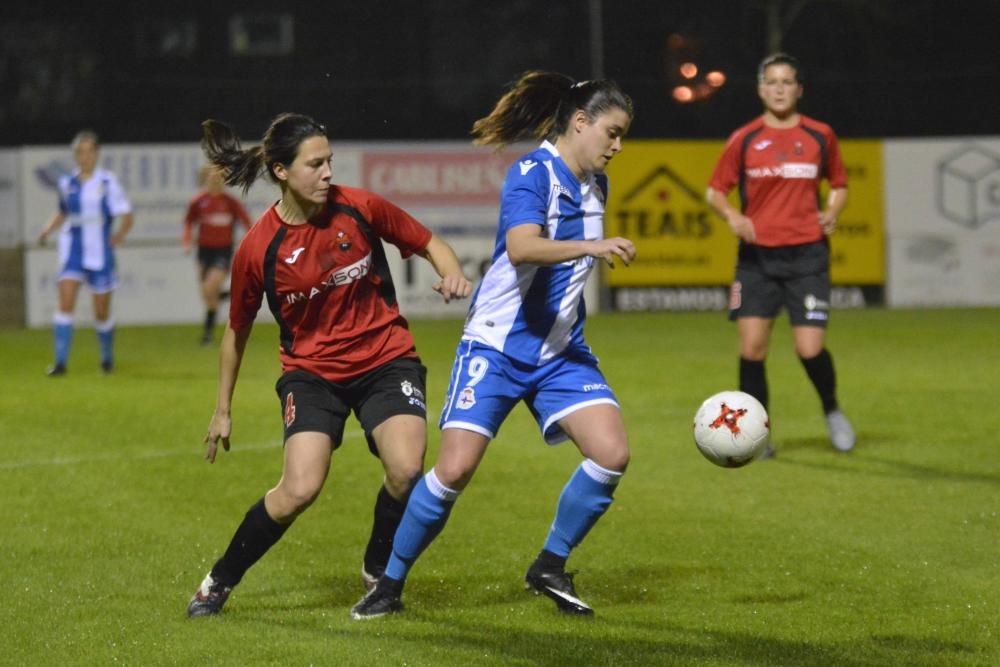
[214, 258]
[310, 403]
[796, 277]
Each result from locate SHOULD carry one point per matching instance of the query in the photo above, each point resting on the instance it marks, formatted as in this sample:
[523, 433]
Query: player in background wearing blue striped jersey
[523, 338]
[89, 201]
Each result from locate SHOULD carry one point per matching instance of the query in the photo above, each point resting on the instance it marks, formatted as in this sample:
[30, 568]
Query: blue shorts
[486, 385]
[100, 282]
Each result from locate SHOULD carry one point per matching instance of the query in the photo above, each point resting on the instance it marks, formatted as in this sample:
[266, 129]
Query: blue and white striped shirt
[534, 313]
[89, 207]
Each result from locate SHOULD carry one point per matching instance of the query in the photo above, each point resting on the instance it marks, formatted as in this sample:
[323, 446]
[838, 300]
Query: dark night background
[378, 70]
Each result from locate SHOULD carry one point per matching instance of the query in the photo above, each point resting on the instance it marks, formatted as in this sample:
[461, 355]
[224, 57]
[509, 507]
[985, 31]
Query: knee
[753, 351]
[401, 477]
[754, 348]
[453, 474]
[615, 458]
[294, 498]
[808, 351]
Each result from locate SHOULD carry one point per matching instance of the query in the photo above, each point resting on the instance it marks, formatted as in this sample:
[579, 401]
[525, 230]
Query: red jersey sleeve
[189, 219]
[836, 174]
[396, 226]
[247, 284]
[727, 169]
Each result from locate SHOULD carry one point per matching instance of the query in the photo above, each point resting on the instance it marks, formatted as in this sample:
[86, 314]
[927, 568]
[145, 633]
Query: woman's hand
[608, 249]
[742, 226]
[218, 429]
[828, 221]
[453, 287]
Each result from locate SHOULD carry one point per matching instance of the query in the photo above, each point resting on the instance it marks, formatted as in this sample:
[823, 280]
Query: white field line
[140, 456]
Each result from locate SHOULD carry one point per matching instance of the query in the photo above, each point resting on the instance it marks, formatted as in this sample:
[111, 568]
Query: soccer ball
[731, 429]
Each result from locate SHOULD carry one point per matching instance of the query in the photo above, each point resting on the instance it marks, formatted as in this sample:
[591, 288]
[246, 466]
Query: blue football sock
[63, 333]
[426, 513]
[106, 337]
[584, 499]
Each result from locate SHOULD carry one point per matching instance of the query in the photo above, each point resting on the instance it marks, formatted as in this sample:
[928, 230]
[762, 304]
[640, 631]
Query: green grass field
[884, 556]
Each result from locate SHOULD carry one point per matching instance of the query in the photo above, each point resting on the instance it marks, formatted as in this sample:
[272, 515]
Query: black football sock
[258, 533]
[387, 515]
[390, 585]
[820, 371]
[550, 562]
[209, 321]
[753, 380]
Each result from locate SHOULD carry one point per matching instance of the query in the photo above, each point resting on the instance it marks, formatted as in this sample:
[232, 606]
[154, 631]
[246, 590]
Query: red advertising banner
[460, 177]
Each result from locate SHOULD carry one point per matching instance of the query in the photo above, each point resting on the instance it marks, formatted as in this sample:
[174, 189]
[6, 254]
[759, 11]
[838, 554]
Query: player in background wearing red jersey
[778, 161]
[317, 256]
[215, 213]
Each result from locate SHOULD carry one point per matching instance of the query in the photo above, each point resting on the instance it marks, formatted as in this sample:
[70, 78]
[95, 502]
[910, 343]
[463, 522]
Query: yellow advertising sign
[857, 248]
[658, 202]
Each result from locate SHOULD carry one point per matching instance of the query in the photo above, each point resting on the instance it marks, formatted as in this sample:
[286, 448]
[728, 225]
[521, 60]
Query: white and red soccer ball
[731, 429]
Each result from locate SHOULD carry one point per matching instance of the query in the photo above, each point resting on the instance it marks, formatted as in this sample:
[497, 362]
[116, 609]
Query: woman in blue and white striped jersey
[89, 201]
[523, 338]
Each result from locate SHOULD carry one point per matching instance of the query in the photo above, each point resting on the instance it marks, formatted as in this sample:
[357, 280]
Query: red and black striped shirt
[328, 285]
[778, 171]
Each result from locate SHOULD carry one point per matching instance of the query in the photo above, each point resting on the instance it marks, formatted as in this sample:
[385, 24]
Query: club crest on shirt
[343, 241]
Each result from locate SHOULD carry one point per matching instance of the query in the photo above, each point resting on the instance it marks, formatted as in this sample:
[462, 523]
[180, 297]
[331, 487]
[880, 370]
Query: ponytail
[280, 145]
[222, 148]
[527, 110]
[540, 105]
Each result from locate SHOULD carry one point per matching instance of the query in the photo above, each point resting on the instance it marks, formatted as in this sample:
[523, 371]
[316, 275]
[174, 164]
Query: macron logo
[761, 145]
[527, 166]
[562, 191]
[295, 255]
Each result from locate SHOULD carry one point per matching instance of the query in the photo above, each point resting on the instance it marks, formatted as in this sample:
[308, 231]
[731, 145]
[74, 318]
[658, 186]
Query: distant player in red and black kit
[778, 161]
[317, 257]
[215, 213]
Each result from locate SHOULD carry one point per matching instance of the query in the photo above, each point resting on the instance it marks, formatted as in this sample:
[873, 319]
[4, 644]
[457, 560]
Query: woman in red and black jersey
[778, 160]
[317, 257]
[215, 213]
